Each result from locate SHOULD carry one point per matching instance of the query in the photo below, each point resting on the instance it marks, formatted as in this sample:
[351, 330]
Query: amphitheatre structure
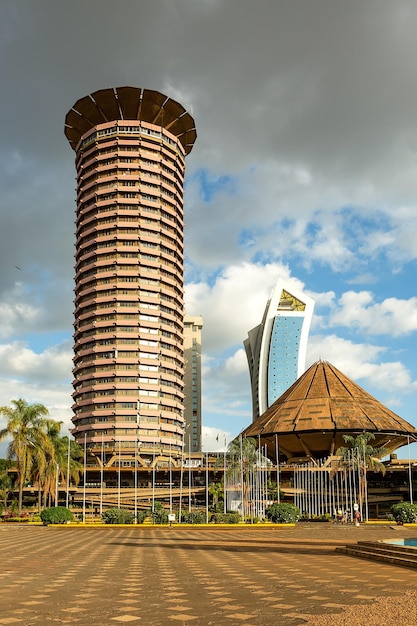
[311, 418]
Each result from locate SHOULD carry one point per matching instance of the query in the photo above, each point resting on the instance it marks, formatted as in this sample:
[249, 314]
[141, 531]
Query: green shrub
[117, 516]
[56, 515]
[283, 513]
[225, 518]
[193, 517]
[141, 517]
[404, 512]
[159, 515]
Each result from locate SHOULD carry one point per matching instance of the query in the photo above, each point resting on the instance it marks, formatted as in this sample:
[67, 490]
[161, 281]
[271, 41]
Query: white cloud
[235, 301]
[359, 361]
[215, 439]
[43, 378]
[53, 365]
[16, 312]
[392, 316]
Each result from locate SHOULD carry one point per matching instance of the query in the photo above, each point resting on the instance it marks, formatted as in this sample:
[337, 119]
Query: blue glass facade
[283, 354]
[276, 348]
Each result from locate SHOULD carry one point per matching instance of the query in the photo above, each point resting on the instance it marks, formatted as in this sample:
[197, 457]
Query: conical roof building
[311, 417]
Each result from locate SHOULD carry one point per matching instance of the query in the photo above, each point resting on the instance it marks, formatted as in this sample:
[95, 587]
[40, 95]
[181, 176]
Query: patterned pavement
[188, 576]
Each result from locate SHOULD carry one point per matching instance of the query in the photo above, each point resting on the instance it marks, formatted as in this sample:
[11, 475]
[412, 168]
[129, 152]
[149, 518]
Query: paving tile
[194, 575]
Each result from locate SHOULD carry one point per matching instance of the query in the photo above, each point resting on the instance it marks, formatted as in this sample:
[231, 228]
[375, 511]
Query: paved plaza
[199, 576]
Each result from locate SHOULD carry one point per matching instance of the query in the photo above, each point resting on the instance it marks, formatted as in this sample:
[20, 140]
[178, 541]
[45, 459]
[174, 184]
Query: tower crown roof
[129, 103]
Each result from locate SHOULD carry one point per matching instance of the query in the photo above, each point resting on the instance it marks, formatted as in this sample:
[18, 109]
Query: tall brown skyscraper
[130, 146]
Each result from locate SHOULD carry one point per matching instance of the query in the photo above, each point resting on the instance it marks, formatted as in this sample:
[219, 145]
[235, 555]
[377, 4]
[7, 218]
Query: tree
[56, 468]
[27, 427]
[76, 453]
[283, 513]
[366, 458]
[242, 457]
[5, 483]
[216, 491]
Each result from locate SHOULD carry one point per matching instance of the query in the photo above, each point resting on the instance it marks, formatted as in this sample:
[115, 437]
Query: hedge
[404, 512]
[283, 513]
[56, 515]
[118, 516]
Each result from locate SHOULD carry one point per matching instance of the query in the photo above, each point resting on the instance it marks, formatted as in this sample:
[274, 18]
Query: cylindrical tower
[130, 146]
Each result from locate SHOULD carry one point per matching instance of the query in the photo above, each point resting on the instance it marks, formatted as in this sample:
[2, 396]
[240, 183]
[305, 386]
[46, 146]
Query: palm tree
[216, 491]
[5, 483]
[367, 457]
[57, 467]
[76, 453]
[27, 427]
[242, 457]
[68, 468]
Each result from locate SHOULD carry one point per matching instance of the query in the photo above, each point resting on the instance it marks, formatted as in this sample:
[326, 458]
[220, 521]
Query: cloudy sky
[305, 167]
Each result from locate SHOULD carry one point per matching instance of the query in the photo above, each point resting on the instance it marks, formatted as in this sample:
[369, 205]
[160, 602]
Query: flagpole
[207, 493]
[85, 473]
[119, 476]
[101, 474]
[409, 470]
[136, 481]
[241, 478]
[181, 478]
[189, 472]
[170, 479]
[277, 457]
[68, 472]
[224, 478]
[153, 479]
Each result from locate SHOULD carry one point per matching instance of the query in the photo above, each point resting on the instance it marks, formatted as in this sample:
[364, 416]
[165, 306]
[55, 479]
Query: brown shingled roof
[311, 417]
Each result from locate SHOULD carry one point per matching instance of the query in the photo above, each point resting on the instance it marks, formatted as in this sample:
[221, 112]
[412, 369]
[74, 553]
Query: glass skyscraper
[276, 349]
